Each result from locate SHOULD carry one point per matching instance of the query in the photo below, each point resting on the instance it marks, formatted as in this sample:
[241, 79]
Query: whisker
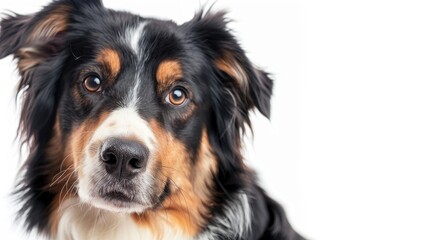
[59, 178]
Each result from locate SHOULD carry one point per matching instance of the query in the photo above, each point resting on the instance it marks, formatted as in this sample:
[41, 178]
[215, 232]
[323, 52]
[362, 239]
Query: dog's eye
[177, 96]
[92, 83]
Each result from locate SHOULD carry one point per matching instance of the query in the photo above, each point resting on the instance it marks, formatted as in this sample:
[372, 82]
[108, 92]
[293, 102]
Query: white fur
[81, 221]
[234, 222]
[134, 36]
[124, 122]
[134, 99]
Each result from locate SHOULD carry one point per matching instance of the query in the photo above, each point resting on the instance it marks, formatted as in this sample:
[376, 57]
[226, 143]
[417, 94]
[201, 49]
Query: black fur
[40, 85]
[223, 103]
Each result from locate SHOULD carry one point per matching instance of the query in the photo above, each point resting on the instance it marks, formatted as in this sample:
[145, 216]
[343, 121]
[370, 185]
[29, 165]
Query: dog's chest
[80, 221]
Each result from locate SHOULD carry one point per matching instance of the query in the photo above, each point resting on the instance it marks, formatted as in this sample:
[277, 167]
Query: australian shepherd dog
[134, 126]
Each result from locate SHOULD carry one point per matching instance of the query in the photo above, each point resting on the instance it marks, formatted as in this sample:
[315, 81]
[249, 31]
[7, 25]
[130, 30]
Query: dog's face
[133, 105]
[128, 112]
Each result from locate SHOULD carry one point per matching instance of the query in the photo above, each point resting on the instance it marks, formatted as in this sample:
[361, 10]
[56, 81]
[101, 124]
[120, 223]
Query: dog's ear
[39, 43]
[236, 86]
[33, 38]
[254, 86]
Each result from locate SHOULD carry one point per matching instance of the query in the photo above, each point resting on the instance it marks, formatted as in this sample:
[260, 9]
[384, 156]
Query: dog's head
[126, 112]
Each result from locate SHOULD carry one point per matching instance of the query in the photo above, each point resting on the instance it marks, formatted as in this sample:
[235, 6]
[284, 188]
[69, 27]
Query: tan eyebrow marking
[111, 60]
[168, 71]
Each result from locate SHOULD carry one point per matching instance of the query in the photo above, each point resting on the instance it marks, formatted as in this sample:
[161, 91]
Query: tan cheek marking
[60, 169]
[205, 169]
[80, 138]
[69, 162]
[187, 207]
[60, 165]
[168, 71]
[61, 175]
[55, 147]
[110, 59]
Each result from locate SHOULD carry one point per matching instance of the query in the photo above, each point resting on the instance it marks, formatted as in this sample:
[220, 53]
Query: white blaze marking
[125, 122]
[134, 99]
[135, 34]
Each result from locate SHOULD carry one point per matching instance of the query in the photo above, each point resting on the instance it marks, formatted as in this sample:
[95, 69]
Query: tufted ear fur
[36, 41]
[254, 86]
[33, 38]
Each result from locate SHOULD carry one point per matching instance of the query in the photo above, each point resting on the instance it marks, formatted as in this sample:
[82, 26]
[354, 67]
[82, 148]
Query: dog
[134, 126]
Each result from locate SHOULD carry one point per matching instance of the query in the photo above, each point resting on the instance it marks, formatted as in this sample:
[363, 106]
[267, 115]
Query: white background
[347, 148]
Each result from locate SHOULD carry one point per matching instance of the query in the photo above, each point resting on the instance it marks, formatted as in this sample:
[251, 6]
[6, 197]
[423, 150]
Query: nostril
[136, 163]
[123, 158]
[109, 158]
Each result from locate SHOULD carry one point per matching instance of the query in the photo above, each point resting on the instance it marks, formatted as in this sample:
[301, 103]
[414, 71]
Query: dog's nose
[123, 158]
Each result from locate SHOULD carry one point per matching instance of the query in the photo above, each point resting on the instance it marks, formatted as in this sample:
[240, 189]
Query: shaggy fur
[93, 80]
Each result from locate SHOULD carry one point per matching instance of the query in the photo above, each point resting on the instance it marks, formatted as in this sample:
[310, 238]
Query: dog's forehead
[129, 33]
[145, 44]
[146, 36]
[139, 62]
[134, 35]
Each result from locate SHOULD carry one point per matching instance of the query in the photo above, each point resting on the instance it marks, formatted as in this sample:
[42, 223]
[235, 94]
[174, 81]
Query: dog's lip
[122, 199]
[117, 196]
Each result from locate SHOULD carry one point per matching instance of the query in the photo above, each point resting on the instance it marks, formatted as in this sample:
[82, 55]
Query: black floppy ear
[39, 43]
[36, 42]
[254, 85]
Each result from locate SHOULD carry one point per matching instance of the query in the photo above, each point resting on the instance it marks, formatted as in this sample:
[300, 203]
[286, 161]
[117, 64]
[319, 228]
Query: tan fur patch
[80, 138]
[187, 207]
[63, 181]
[62, 164]
[168, 71]
[55, 22]
[61, 171]
[111, 61]
[230, 66]
[28, 58]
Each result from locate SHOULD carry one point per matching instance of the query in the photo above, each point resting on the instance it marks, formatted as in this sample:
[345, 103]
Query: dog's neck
[77, 220]
[81, 221]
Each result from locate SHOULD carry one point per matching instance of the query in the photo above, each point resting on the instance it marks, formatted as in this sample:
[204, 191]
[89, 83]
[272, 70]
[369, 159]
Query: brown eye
[177, 97]
[92, 83]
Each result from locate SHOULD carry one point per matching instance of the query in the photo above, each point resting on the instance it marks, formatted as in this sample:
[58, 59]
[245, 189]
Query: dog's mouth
[122, 199]
[116, 196]
[118, 200]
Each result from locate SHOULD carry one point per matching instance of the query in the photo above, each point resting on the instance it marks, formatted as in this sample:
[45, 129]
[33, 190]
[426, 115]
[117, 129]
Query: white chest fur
[79, 221]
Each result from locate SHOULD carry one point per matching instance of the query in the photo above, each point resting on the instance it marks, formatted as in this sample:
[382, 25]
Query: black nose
[123, 158]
